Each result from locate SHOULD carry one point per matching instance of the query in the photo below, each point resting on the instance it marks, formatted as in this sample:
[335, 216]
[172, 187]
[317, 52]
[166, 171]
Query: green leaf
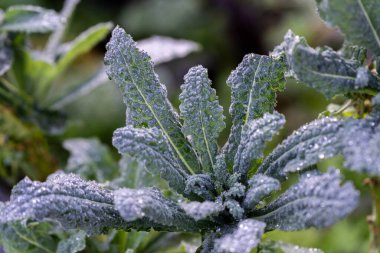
[30, 19]
[317, 200]
[254, 84]
[67, 199]
[6, 55]
[132, 175]
[32, 75]
[323, 69]
[150, 147]
[269, 246]
[75, 243]
[83, 43]
[145, 97]
[357, 19]
[305, 147]
[90, 159]
[202, 115]
[254, 135]
[356, 54]
[27, 238]
[147, 205]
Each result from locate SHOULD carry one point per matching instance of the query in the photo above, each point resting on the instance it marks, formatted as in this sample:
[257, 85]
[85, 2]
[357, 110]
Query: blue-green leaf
[242, 238]
[147, 205]
[30, 19]
[305, 147]
[324, 69]
[200, 185]
[254, 136]
[361, 145]
[260, 186]
[150, 147]
[254, 84]
[202, 210]
[66, 198]
[202, 115]
[144, 96]
[358, 20]
[317, 200]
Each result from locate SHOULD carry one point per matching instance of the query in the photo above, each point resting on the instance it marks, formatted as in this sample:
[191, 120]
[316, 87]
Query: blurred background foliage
[226, 30]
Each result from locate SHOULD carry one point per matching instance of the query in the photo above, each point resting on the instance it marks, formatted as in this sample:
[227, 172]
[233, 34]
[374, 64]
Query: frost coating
[144, 96]
[254, 136]
[361, 145]
[147, 205]
[202, 210]
[30, 19]
[242, 239]
[66, 198]
[254, 84]
[323, 69]
[306, 146]
[317, 200]
[260, 187]
[149, 147]
[358, 20]
[202, 115]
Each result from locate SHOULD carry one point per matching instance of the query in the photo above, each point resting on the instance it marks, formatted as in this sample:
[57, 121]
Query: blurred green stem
[374, 218]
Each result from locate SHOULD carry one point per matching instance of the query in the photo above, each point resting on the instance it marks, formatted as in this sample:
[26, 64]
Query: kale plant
[224, 191]
[230, 195]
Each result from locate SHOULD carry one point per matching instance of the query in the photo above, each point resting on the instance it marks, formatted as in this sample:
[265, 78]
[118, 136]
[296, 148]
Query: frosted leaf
[234, 208]
[260, 186]
[221, 173]
[241, 239]
[147, 205]
[151, 149]
[144, 96]
[306, 146]
[65, 198]
[200, 185]
[30, 19]
[237, 190]
[324, 69]
[361, 145]
[358, 20]
[202, 115]
[254, 84]
[317, 200]
[254, 136]
[202, 210]
[164, 49]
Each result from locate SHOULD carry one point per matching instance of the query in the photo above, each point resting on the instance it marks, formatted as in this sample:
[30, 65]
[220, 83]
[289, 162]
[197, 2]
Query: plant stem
[374, 218]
